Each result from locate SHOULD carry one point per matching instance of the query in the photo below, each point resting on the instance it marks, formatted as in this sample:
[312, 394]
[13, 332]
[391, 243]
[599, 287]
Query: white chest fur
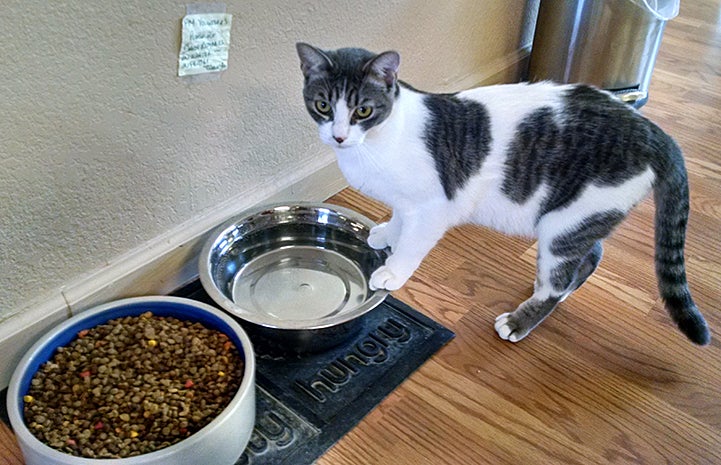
[393, 164]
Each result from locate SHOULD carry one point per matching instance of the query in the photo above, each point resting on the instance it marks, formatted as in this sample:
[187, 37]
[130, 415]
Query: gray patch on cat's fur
[578, 241]
[592, 139]
[588, 265]
[458, 136]
[562, 275]
[571, 274]
[579, 245]
[535, 143]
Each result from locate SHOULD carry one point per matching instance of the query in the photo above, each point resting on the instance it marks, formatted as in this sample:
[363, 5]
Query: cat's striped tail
[672, 208]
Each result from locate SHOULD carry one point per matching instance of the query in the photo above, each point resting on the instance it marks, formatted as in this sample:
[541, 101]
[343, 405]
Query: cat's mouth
[340, 141]
[344, 144]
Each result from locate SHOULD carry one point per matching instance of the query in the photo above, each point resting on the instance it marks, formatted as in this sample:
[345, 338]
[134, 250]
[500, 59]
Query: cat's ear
[312, 60]
[384, 68]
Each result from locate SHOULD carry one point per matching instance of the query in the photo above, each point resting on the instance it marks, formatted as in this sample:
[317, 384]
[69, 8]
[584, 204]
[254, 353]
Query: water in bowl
[299, 283]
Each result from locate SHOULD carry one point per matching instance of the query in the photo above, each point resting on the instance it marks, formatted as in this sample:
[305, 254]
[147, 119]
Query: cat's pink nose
[339, 139]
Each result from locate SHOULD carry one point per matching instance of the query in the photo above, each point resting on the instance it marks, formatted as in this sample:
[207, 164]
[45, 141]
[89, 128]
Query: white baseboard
[157, 268]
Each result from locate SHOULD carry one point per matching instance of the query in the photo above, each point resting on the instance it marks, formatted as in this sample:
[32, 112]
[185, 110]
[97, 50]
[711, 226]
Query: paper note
[204, 48]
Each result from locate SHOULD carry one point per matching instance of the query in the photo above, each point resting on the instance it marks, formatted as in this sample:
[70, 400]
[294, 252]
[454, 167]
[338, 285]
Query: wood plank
[9, 449]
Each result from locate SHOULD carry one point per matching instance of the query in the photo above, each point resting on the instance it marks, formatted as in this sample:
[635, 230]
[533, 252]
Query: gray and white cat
[562, 163]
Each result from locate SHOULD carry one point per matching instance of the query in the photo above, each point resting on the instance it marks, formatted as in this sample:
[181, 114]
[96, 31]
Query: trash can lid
[663, 10]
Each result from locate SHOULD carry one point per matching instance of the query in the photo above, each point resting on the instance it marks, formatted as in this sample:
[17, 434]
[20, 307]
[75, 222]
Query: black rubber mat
[307, 403]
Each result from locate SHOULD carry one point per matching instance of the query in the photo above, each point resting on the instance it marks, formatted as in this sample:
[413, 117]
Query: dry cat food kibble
[131, 386]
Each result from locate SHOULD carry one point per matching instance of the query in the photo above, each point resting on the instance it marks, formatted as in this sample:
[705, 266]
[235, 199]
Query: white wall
[108, 160]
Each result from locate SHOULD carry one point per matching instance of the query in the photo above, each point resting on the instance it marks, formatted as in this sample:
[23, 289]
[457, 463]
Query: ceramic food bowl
[297, 273]
[221, 441]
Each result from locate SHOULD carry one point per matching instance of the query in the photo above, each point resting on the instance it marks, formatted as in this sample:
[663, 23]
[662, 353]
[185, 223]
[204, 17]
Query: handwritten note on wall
[204, 48]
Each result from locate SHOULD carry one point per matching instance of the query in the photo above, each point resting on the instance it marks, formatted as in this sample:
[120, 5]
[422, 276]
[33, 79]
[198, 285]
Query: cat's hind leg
[586, 268]
[516, 325]
[565, 261]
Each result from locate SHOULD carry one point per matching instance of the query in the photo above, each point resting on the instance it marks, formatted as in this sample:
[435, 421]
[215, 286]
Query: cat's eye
[363, 112]
[322, 106]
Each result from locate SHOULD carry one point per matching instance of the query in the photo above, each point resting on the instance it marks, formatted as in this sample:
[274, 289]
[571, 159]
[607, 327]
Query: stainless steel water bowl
[298, 273]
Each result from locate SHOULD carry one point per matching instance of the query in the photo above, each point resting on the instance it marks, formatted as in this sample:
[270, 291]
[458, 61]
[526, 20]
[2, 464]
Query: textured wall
[103, 147]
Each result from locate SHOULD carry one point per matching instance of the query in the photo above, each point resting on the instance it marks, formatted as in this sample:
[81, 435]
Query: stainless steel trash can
[611, 44]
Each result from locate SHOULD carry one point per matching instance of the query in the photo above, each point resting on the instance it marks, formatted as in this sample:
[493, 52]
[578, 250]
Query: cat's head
[348, 91]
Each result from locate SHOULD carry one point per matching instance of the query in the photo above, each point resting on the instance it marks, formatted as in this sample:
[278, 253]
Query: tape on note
[205, 43]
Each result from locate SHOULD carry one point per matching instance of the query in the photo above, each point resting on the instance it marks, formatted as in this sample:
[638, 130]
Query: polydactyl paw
[379, 237]
[387, 278]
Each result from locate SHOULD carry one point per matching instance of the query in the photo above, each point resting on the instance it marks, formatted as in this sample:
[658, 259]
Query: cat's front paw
[385, 278]
[378, 238]
[507, 329]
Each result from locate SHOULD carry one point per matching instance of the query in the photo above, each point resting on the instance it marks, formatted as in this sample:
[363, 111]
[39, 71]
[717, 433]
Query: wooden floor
[607, 378]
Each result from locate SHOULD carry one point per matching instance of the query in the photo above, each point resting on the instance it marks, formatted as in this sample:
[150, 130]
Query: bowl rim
[208, 283]
[31, 357]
